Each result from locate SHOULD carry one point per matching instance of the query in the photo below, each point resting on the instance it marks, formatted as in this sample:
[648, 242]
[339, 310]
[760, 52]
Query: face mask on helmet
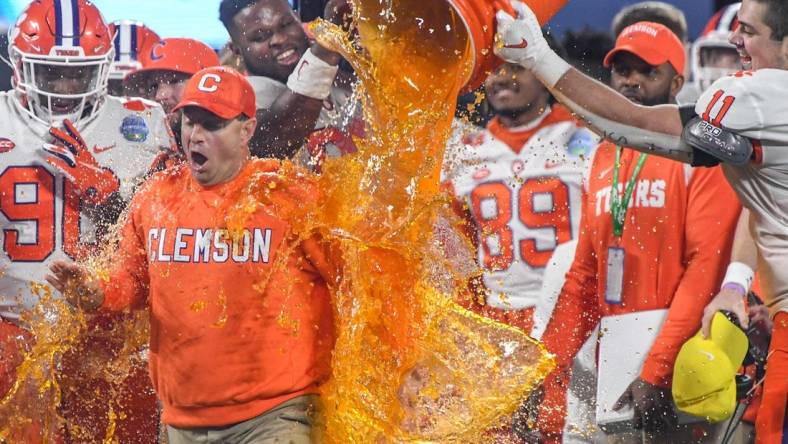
[713, 56]
[60, 66]
[712, 60]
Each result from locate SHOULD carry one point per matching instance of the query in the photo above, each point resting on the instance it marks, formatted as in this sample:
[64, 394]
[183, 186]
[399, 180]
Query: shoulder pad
[717, 142]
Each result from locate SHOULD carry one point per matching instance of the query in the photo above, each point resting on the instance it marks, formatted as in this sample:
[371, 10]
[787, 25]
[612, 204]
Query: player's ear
[234, 48]
[785, 52]
[676, 83]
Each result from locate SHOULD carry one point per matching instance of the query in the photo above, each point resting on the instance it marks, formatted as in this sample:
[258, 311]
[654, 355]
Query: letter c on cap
[156, 51]
[209, 83]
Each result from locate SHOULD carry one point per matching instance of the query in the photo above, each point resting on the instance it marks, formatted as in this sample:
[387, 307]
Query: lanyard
[618, 207]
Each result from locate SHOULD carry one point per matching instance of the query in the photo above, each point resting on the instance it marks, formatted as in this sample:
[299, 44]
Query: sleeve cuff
[656, 372]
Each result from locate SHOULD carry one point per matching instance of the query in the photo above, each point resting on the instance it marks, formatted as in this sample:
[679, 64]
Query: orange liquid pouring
[410, 365]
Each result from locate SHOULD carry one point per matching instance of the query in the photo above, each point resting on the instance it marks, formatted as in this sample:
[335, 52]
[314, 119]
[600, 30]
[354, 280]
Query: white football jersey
[755, 104]
[339, 111]
[41, 215]
[524, 203]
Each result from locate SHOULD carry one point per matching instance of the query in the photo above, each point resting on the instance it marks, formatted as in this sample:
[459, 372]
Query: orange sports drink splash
[411, 365]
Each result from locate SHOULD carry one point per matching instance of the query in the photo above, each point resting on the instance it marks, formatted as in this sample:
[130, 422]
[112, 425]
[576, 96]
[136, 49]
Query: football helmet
[177, 58]
[714, 37]
[131, 39]
[61, 52]
[183, 55]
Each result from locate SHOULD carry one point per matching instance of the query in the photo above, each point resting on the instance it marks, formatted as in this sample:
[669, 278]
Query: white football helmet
[712, 43]
[61, 52]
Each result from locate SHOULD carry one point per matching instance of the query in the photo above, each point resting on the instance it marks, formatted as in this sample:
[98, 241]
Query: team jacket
[677, 238]
[522, 189]
[41, 215]
[239, 307]
[754, 104]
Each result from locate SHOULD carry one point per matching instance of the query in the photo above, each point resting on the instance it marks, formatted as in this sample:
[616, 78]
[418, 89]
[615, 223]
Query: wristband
[740, 274]
[550, 68]
[312, 77]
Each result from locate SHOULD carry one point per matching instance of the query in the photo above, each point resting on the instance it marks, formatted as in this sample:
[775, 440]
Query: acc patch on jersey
[6, 145]
[134, 129]
[581, 143]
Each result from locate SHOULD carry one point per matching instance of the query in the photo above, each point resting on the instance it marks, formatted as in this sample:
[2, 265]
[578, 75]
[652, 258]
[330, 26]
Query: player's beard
[658, 100]
[633, 95]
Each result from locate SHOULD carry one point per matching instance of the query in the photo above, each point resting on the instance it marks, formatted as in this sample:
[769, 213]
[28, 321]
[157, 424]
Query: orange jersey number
[727, 102]
[497, 226]
[557, 218]
[28, 195]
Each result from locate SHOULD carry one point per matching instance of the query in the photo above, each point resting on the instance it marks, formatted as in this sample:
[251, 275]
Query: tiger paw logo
[6, 145]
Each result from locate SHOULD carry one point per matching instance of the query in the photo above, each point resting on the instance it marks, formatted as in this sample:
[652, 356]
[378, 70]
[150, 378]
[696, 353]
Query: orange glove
[70, 155]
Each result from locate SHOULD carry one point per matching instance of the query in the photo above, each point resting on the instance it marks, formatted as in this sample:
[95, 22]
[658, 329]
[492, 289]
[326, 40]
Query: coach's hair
[659, 12]
[228, 9]
[776, 17]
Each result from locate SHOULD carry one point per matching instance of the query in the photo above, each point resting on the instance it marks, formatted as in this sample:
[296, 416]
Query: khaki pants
[288, 423]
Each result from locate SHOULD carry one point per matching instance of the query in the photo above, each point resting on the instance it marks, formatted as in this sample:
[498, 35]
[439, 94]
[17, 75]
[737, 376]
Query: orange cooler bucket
[478, 16]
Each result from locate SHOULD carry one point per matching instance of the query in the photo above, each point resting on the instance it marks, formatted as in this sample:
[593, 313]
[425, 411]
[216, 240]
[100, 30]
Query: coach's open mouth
[197, 160]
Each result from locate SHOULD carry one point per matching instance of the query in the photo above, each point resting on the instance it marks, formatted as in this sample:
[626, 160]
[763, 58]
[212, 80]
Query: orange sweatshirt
[677, 240]
[241, 320]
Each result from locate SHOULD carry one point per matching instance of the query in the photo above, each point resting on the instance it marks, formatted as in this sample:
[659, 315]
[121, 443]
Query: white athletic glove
[520, 40]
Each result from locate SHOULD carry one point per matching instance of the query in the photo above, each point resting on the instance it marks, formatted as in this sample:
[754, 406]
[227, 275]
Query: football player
[520, 181]
[737, 122]
[70, 155]
[294, 81]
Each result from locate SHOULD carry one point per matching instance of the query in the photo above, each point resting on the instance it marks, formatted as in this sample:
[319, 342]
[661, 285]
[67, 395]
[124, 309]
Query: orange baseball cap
[652, 42]
[182, 55]
[220, 90]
